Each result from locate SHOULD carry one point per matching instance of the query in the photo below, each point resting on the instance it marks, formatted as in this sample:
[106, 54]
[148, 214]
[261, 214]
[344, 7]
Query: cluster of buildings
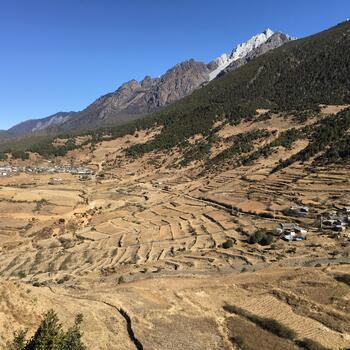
[335, 220]
[9, 170]
[291, 232]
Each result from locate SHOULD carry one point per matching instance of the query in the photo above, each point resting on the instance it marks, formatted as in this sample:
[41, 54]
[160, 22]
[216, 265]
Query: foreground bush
[51, 336]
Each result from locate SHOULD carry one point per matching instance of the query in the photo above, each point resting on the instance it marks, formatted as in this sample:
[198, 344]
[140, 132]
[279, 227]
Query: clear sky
[60, 55]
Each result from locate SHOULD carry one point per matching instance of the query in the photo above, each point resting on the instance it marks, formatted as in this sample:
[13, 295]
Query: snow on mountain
[221, 63]
[243, 49]
[240, 51]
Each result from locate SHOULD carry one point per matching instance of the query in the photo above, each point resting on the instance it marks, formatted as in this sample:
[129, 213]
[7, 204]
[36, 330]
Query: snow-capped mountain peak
[243, 49]
[221, 59]
[136, 98]
[240, 51]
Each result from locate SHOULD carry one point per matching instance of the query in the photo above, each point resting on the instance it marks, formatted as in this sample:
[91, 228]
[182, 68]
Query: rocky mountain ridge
[240, 51]
[134, 98]
[37, 125]
[261, 45]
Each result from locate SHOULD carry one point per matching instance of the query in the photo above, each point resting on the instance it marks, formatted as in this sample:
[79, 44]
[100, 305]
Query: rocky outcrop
[243, 53]
[134, 99]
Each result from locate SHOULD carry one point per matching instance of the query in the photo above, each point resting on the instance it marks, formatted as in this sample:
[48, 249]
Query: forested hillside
[299, 75]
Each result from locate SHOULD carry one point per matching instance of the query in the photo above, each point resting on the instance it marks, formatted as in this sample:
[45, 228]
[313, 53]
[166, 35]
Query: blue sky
[60, 55]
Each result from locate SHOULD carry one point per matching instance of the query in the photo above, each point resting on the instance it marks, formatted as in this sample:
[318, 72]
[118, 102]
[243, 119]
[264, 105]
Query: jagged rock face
[150, 94]
[137, 98]
[218, 62]
[243, 53]
[276, 40]
[244, 49]
[178, 82]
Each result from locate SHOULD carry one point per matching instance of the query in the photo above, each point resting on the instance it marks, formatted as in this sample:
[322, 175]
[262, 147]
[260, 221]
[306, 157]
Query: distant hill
[38, 125]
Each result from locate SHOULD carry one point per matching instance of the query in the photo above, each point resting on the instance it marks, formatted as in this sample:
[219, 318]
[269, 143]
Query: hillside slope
[36, 126]
[299, 75]
[145, 234]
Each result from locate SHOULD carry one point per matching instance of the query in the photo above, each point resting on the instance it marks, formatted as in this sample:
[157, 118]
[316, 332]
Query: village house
[336, 220]
[301, 210]
[55, 181]
[297, 211]
[291, 231]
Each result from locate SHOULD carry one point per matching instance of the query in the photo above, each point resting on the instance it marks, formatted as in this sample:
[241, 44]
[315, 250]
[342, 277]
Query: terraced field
[151, 254]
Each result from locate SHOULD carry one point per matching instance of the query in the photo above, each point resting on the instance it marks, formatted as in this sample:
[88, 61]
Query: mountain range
[134, 98]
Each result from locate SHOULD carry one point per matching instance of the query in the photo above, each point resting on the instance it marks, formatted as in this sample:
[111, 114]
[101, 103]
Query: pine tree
[51, 336]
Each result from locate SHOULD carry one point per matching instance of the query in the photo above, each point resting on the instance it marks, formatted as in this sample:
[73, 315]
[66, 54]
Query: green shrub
[266, 240]
[19, 341]
[266, 215]
[261, 238]
[20, 155]
[22, 274]
[228, 244]
[275, 327]
[3, 156]
[238, 341]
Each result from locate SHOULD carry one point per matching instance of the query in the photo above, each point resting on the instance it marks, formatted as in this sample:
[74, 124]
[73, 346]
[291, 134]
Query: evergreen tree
[51, 336]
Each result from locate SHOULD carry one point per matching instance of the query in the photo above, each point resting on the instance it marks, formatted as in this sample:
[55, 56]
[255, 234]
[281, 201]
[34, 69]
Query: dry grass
[250, 337]
[268, 324]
